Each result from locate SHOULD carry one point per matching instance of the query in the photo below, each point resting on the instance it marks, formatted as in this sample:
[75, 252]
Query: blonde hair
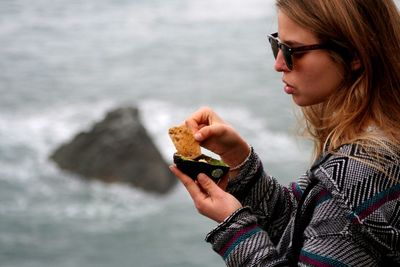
[365, 40]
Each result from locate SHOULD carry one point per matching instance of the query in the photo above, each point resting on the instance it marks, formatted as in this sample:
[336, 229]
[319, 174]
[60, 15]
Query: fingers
[187, 182]
[203, 117]
[208, 185]
[198, 190]
[212, 131]
[214, 138]
[207, 132]
[209, 199]
[204, 187]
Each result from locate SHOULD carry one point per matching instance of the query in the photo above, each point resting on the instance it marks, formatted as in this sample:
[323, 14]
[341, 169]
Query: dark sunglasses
[288, 51]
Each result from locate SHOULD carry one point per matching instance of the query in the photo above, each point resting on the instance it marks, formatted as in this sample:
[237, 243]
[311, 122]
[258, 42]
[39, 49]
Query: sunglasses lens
[287, 56]
[274, 46]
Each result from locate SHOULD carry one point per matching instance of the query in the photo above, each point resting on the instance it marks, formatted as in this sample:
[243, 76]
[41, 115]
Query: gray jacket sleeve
[259, 234]
[271, 203]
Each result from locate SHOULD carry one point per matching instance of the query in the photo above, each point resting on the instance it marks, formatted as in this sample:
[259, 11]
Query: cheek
[323, 79]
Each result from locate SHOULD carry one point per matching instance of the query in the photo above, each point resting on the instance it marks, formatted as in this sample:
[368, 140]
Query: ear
[355, 64]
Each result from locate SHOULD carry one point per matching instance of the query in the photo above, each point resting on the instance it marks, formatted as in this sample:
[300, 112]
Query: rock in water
[117, 149]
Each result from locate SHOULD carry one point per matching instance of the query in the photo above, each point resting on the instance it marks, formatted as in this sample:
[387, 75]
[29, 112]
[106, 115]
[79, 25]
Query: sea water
[65, 63]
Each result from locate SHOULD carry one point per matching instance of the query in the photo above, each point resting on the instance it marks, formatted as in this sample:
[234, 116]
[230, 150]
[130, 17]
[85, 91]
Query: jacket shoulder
[367, 187]
[359, 176]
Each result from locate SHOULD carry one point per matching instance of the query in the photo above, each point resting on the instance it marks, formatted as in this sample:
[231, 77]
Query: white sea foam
[273, 146]
[28, 140]
[40, 190]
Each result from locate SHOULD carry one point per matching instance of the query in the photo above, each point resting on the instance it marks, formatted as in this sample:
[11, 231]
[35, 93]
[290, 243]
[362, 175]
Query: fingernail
[198, 136]
[201, 176]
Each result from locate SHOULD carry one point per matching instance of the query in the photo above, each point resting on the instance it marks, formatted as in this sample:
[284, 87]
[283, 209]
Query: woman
[340, 62]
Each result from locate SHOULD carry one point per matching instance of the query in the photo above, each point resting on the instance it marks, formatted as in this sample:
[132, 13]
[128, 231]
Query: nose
[280, 64]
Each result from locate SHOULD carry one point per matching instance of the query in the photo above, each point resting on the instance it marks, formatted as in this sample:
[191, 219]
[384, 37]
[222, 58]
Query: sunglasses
[288, 51]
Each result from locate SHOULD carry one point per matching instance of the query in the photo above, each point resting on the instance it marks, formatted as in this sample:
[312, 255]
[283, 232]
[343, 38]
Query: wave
[39, 133]
[34, 186]
[273, 146]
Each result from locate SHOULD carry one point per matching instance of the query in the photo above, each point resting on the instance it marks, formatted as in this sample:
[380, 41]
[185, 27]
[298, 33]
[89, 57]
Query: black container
[213, 168]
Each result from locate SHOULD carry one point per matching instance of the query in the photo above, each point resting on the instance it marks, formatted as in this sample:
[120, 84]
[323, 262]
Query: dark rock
[117, 149]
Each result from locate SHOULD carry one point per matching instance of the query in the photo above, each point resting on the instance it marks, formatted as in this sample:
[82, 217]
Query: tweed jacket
[355, 218]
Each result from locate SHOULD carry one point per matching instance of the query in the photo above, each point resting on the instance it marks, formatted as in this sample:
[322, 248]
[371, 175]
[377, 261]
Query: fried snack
[184, 142]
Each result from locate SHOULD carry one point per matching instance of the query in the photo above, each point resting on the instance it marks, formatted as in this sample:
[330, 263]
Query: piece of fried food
[184, 141]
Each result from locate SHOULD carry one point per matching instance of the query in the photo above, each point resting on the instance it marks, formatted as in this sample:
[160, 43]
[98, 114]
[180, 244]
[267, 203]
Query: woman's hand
[217, 136]
[209, 199]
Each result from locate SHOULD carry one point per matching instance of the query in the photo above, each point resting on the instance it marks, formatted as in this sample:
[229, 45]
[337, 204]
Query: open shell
[213, 168]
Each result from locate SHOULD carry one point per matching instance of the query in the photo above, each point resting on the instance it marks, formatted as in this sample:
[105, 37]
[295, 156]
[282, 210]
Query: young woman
[340, 62]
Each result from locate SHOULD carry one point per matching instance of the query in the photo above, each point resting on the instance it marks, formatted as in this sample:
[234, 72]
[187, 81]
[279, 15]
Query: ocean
[64, 64]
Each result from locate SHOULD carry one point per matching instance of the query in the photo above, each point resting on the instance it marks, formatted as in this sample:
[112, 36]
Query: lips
[289, 89]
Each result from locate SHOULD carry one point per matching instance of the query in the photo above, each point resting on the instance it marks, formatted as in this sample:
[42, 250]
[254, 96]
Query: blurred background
[64, 64]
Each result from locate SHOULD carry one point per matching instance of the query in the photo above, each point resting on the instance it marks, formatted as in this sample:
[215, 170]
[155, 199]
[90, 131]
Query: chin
[301, 102]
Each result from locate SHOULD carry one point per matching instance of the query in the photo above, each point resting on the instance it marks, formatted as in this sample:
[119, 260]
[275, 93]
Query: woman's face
[315, 76]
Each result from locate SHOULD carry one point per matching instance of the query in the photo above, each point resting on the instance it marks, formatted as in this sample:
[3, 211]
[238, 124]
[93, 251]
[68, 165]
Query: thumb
[209, 131]
[207, 184]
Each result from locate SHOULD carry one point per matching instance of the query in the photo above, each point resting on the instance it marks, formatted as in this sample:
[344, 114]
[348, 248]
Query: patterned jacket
[354, 217]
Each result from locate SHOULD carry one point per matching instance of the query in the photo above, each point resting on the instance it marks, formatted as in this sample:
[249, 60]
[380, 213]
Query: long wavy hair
[365, 39]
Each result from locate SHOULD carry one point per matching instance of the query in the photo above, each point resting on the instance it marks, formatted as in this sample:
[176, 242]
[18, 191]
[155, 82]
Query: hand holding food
[216, 135]
[189, 158]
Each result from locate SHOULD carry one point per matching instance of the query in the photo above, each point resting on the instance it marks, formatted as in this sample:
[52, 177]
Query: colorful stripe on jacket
[374, 203]
[318, 260]
[239, 237]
